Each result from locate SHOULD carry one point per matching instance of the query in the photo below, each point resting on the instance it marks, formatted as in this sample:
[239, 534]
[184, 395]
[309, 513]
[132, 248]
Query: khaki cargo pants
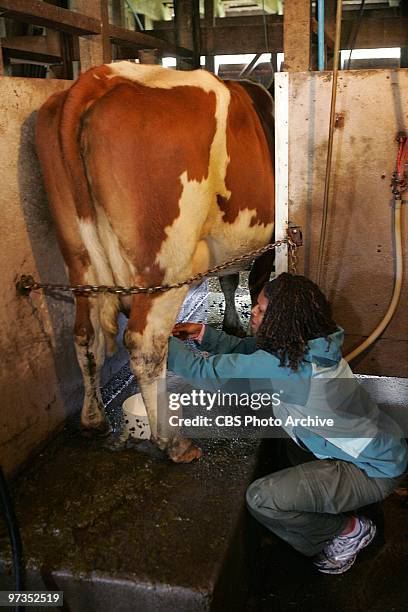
[305, 505]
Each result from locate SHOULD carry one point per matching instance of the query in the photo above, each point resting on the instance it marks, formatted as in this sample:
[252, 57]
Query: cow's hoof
[184, 451]
[102, 431]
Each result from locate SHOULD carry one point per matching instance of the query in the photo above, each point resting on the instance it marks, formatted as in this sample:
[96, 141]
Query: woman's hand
[187, 331]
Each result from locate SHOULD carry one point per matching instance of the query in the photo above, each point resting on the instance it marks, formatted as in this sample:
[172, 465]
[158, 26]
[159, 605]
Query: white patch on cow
[97, 254]
[148, 357]
[154, 397]
[228, 240]
[122, 268]
[100, 244]
[177, 250]
[152, 75]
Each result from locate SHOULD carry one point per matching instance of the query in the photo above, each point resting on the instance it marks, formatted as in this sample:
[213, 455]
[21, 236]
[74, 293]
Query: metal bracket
[295, 234]
[25, 284]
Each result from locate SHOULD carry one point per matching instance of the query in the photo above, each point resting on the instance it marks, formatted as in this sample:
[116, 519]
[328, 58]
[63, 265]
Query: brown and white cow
[152, 175]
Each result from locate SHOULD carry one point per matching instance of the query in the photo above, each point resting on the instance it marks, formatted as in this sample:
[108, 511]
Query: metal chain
[27, 283]
[293, 258]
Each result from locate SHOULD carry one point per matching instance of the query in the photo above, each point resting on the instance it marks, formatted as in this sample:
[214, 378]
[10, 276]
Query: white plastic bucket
[135, 416]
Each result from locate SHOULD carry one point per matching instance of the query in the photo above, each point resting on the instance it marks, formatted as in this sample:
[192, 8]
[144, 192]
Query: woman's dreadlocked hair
[297, 312]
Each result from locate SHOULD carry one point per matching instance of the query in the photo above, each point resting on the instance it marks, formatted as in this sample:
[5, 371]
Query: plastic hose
[399, 267]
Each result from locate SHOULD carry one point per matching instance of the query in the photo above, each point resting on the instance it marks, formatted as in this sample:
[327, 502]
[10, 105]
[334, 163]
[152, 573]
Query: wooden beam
[196, 30]
[184, 30]
[41, 48]
[237, 35]
[1, 59]
[209, 22]
[43, 14]
[140, 40]
[67, 49]
[376, 33]
[247, 34]
[330, 7]
[97, 49]
[297, 35]
[118, 13]
[328, 40]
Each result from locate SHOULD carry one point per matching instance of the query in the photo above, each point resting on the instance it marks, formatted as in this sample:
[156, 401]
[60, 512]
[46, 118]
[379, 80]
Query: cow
[152, 175]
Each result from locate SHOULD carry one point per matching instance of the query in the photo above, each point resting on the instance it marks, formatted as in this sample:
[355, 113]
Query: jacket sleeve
[216, 341]
[210, 372]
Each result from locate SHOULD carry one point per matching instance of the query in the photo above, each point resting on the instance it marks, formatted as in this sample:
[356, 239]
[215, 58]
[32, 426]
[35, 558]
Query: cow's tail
[85, 92]
[58, 147]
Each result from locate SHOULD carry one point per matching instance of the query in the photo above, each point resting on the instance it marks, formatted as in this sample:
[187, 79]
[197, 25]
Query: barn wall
[40, 382]
[358, 275]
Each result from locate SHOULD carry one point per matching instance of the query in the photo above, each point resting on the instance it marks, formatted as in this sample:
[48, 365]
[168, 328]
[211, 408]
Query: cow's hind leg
[260, 274]
[90, 348]
[150, 323]
[231, 323]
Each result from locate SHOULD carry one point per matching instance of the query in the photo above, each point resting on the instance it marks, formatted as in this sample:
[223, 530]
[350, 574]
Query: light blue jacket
[323, 386]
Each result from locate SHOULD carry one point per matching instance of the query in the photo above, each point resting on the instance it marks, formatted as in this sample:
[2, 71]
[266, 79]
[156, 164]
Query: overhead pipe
[320, 34]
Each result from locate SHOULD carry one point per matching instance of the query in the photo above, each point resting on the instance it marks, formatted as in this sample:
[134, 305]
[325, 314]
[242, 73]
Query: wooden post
[274, 62]
[209, 24]
[1, 61]
[297, 35]
[94, 50]
[183, 18]
[118, 13]
[195, 19]
[330, 30]
[66, 45]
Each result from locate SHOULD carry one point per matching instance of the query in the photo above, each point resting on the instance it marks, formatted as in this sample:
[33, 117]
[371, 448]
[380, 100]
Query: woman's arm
[216, 341]
[213, 371]
[213, 340]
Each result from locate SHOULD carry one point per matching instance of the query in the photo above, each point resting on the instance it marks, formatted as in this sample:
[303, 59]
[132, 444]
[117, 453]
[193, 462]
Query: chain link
[27, 283]
[293, 258]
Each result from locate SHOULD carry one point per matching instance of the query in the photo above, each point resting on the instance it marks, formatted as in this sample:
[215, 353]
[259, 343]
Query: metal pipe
[322, 242]
[246, 71]
[320, 34]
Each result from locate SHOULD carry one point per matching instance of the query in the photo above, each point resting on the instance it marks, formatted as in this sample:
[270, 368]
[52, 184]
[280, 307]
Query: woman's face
[258, 312]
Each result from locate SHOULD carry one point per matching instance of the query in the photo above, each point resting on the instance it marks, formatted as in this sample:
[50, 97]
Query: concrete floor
[282, 580]
[117, 527]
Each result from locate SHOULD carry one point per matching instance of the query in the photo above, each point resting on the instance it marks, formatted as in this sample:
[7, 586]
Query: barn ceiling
[164, 10]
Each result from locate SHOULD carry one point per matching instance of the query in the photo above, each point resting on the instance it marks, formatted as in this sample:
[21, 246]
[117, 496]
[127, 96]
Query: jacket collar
[326, 351]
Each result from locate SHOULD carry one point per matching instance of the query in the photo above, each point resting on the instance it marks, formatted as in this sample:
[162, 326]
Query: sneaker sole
[338, 570]
[365, 541]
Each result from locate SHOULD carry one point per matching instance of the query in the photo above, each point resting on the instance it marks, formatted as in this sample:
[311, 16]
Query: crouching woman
[312, 505]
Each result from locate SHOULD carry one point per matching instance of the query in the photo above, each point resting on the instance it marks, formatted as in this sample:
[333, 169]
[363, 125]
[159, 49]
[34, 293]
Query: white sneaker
[340, 553]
